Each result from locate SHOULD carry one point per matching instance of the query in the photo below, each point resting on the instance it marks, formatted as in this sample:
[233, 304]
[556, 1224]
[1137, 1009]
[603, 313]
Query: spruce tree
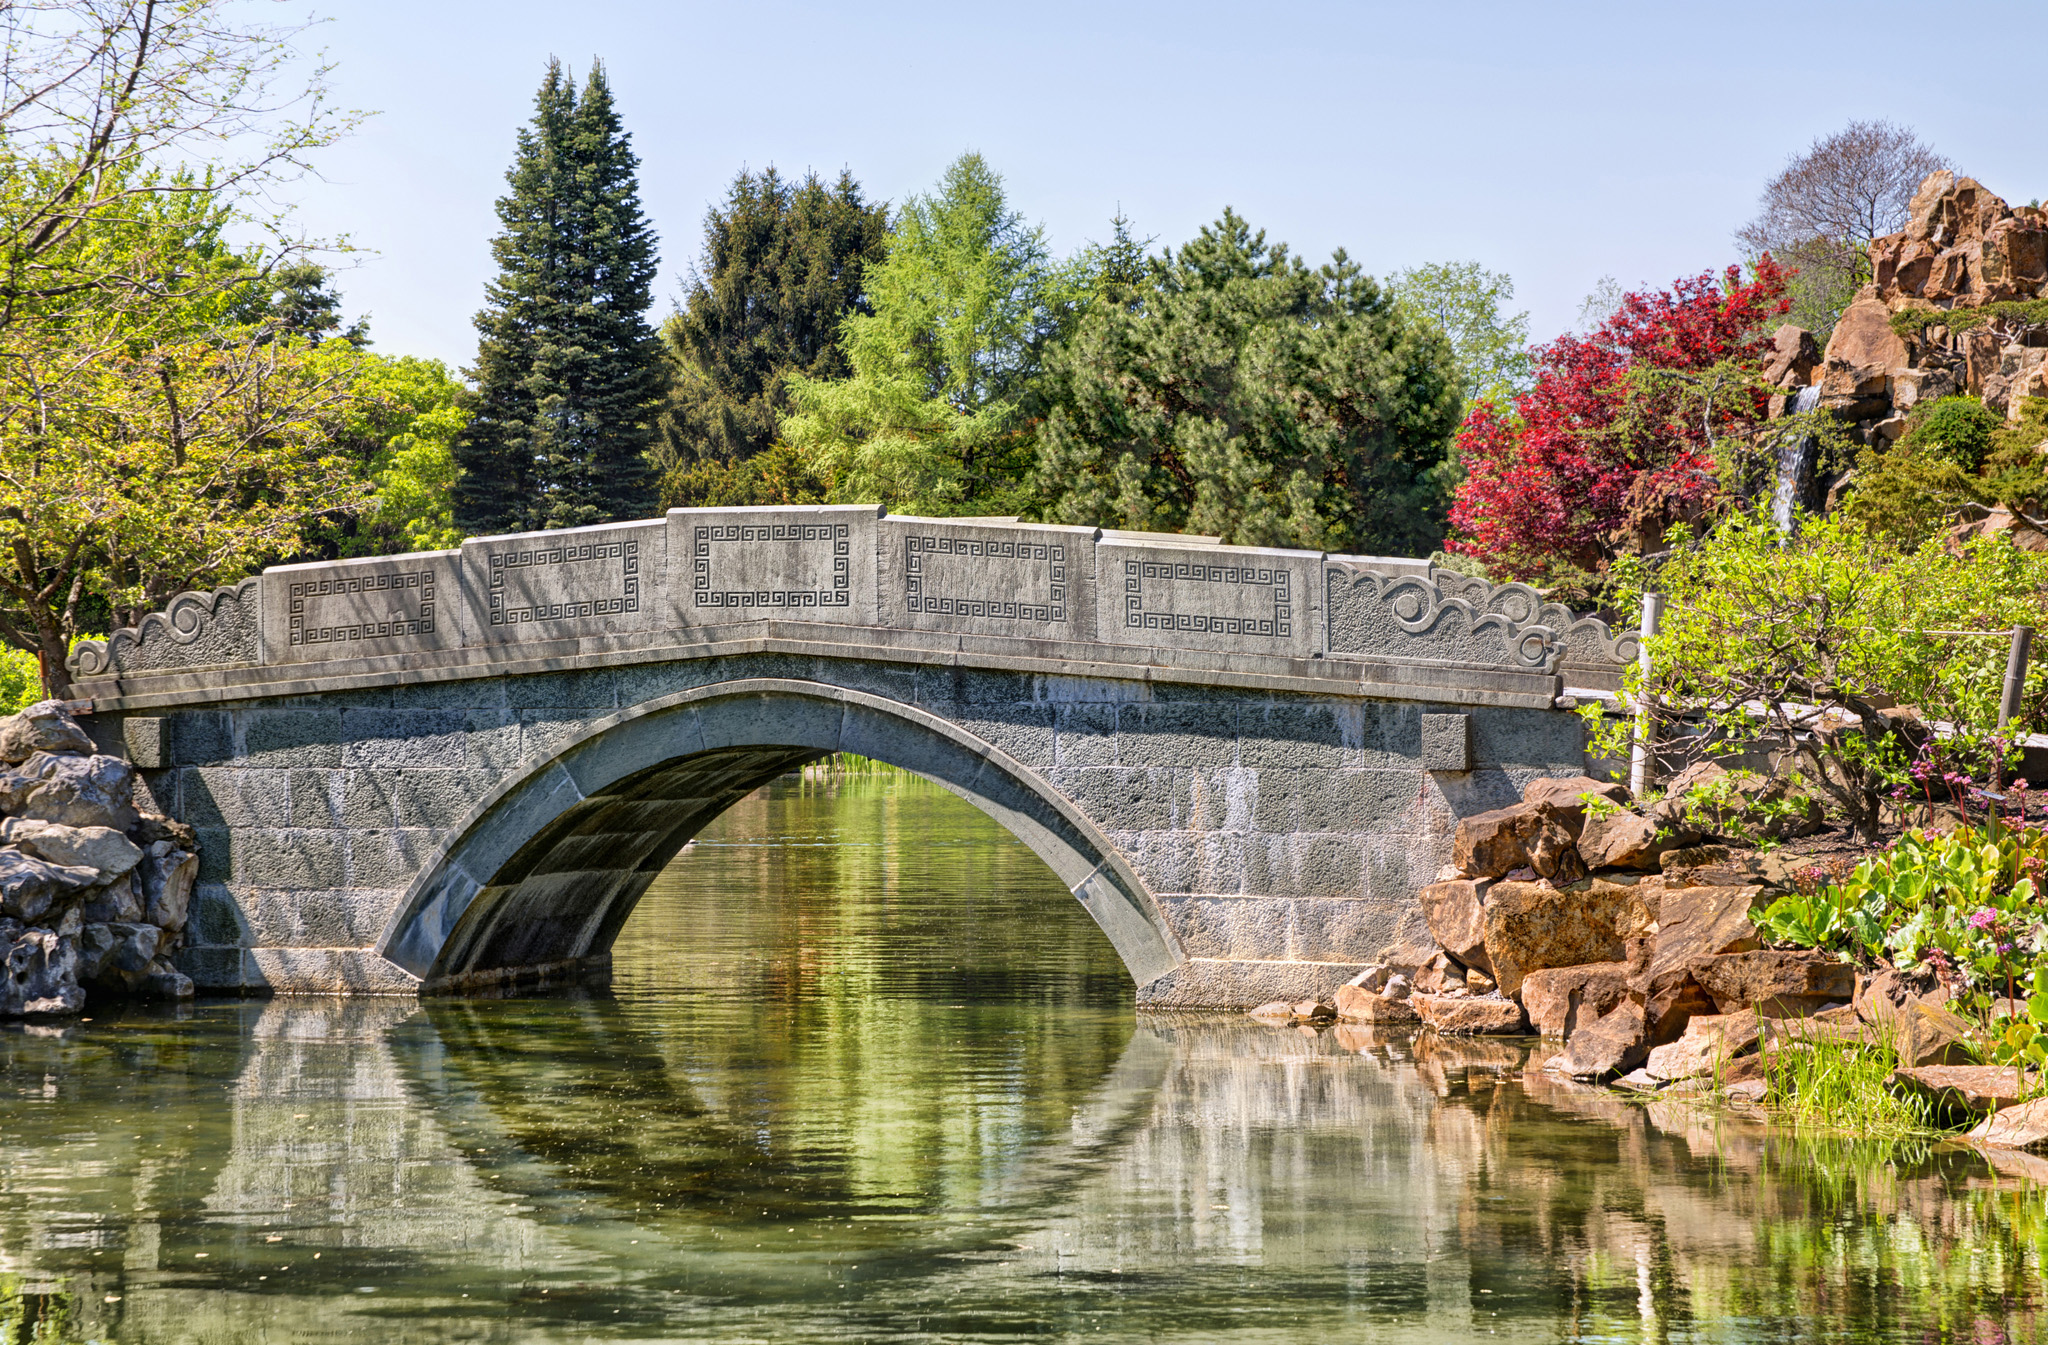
[782, 266]
[568, 380]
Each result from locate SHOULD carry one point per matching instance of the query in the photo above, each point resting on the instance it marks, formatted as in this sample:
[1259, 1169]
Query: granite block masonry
[459, 769]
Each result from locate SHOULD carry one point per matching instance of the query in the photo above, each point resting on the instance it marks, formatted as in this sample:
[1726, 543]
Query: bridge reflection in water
[824, 1106]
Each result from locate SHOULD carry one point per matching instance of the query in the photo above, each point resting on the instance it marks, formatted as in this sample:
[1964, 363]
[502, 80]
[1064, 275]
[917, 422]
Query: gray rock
[39, 975]
[42, 727]
[100, 848]
[162, 981]
[117, 954]
[30, 887]
[154, 827]
[96, 791]
[117, 900]
[167, 874]
[1373, 978]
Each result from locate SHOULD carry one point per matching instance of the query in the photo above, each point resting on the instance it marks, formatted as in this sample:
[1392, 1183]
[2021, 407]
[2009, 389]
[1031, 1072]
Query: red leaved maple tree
[1550, 487]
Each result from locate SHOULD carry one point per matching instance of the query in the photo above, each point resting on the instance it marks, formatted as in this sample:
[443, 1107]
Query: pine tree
[783, 265]
[568, 376]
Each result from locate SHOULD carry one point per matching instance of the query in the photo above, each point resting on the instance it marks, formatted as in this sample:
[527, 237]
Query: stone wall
[1279, 838]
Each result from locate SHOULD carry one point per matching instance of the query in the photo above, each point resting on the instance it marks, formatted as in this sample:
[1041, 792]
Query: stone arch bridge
[460, 769]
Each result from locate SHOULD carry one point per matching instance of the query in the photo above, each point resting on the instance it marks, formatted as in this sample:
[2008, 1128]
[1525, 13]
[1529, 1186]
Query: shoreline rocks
[94, 892]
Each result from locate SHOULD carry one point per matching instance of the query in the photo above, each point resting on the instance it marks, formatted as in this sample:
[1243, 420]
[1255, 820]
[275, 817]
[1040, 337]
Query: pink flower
[1984, 919]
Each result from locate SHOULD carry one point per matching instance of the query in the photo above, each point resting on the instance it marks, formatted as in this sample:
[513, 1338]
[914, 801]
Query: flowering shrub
[1549, 487]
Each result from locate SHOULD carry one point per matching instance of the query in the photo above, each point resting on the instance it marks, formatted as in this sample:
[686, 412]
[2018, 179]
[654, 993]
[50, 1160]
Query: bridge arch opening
[542, 874]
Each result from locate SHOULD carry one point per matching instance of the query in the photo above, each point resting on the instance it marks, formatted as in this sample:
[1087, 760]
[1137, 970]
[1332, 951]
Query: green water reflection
[868, 1074]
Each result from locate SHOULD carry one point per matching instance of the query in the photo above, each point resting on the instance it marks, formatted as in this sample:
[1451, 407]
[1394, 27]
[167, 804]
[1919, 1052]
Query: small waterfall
[1795, 460]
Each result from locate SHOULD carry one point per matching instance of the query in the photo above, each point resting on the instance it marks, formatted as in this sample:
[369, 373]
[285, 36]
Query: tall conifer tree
[783, 265]
[568, 377]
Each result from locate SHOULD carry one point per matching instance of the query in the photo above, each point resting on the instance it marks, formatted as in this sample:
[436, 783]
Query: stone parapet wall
[1277, 838]
[701, 576]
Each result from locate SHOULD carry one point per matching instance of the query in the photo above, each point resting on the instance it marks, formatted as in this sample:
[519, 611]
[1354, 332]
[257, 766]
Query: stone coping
[854, 581]
[1446, 684]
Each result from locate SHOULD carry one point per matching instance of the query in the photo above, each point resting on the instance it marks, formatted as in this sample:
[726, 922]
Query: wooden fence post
[2009, 695]
[2015, 674]
[1640, 762]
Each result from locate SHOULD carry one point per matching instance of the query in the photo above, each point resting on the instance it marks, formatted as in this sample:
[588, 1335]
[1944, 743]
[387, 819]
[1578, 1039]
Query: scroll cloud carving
[195, 630]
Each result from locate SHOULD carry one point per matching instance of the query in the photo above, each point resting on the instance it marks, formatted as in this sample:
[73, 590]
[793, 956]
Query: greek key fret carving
[1278, 625]
[508, 610]
[706, 593]
[412, 611]
[1049, 605]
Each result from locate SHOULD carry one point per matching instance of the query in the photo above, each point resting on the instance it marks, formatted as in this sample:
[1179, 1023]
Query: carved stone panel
[564, 585]
[348, 609]
[1022, 579]
[193, 632]
[1233, 600]
[790, 563]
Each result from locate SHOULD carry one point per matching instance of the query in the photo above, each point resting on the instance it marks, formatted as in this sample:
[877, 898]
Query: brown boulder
[1794, 353]
[1358, 1005]
[1557, 999]
[1697, 922]
[1530, 926]
[1621, 841]
[2022, 1127]
[1408, 957]
[1568, 796]
[1456, 919]
[1929, 1034]
[1863, 337]
[1470, 1015]
[1976, 1089]
[1611, 1044]
[1692, 923]
[1526, 835]
[1880, 998]
[1274, 1011]
[1440, 975]
[1708, 1043]
[1777, 983]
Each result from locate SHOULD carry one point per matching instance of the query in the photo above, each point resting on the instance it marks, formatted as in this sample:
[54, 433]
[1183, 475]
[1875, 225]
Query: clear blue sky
[1558, 143]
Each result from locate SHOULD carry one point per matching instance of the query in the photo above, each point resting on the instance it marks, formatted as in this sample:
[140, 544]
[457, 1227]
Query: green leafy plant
[1835, 651]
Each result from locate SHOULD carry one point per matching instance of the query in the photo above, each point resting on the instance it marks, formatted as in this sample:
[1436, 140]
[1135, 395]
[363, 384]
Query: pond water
[868, 1074]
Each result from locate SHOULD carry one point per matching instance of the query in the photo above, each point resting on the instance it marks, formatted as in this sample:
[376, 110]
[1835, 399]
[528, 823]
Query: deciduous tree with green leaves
[1836, 650]
[1466, 300]
[568, 378]
[155, 435]
[1244, 394]
[406, 414]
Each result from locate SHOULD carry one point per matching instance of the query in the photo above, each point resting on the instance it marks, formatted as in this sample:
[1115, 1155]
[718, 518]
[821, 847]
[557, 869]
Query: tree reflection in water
[868, 1073]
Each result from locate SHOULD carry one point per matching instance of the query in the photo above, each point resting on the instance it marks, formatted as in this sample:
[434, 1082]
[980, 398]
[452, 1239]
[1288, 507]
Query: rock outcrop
[94, 892]
[1963, 251]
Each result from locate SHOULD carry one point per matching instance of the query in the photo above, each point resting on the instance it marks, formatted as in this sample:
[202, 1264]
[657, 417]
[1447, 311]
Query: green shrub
[1966, 905]
[1833, 650]
[1960, 429]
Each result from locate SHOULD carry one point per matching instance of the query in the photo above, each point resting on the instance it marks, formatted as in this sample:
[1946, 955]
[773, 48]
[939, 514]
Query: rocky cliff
[1958, 304]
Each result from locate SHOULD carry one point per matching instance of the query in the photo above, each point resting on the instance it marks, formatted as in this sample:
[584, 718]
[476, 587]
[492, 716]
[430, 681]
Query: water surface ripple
[867, 1073]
